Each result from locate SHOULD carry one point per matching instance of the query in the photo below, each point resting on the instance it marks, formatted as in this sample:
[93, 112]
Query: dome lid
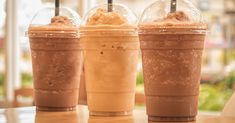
[161, 10]
[45, 15]
[119, 15]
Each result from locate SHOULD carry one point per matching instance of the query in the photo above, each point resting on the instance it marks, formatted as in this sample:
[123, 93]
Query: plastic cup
[172, 46]
[110, 58]
[56, 58]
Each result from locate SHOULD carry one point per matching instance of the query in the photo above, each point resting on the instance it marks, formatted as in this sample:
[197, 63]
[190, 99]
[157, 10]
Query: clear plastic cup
[56, 58]
[172, 44]
[111, 47]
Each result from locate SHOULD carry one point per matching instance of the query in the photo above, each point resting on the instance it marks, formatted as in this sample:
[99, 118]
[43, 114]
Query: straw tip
[173, 5]
[110, 5]
[57, 7]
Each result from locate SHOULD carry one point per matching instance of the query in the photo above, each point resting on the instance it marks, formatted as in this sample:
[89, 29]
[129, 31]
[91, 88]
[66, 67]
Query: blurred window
[2, 35]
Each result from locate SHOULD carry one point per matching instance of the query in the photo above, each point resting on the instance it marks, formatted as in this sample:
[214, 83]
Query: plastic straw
[173, 5]
[110, 5]
[57, 7]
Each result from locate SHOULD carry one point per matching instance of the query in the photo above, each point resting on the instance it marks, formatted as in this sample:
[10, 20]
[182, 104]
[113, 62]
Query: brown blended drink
[56, 59]
[172, 47]
[111, 49]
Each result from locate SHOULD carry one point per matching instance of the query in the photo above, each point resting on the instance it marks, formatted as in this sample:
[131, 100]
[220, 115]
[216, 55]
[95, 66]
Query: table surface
[29, 115]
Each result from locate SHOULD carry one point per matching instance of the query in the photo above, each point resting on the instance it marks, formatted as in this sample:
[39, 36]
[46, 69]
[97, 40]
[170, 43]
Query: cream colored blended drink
[111, 48]
[57, 62]
[119, 119]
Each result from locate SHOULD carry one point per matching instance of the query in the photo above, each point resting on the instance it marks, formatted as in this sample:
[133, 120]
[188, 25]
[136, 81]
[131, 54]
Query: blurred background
[218, 71]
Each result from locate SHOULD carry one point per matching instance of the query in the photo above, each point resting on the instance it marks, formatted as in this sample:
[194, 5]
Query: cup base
[171, 119]
[108, 114]
[56, 109]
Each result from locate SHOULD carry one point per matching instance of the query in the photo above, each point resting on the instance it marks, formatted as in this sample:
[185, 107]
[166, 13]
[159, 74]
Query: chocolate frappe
[56, 59]
[172, 54]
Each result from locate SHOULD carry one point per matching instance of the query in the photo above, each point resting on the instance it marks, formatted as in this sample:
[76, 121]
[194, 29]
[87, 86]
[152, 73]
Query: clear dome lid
[46, 24]
[45, 15]
[119, 15]
[160, 9]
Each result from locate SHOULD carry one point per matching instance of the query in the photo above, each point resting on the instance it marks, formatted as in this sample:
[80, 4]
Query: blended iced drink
[172, 54]
[119, 119]
[111, 47]
[56, 59]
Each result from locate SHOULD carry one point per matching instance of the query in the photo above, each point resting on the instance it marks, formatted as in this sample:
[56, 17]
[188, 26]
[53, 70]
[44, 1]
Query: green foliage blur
[213, 97]
[139, 79]
[1, 84]
[26, 79]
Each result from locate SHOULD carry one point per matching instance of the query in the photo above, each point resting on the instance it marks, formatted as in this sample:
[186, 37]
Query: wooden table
[29, 115]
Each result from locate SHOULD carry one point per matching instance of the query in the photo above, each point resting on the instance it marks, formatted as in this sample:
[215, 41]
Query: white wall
[3, 15]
